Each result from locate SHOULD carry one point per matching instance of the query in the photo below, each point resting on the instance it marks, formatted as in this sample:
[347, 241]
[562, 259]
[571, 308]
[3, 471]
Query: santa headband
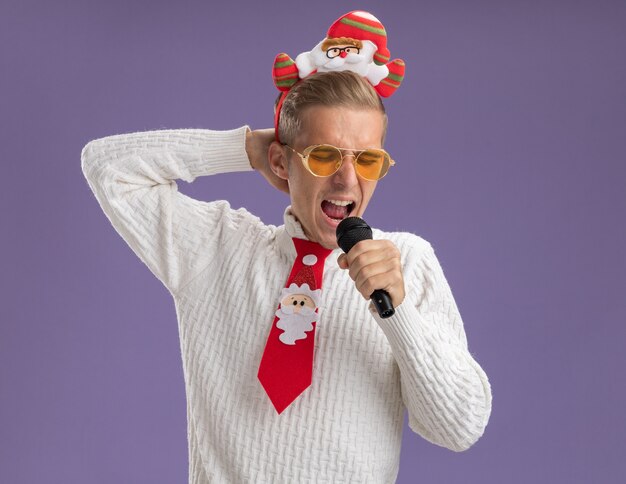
[357, 42]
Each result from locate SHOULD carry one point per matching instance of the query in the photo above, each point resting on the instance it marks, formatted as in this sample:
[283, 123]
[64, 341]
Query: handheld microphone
[350, 231]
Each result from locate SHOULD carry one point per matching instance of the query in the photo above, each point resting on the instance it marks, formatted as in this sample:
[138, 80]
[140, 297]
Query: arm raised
[133, 177]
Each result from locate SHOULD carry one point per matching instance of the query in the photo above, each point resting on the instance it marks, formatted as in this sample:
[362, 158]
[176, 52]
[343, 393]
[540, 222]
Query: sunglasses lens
[324, 160]
[373, 164]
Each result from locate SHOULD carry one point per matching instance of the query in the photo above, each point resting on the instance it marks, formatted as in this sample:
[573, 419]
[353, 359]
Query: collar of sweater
[292, 228]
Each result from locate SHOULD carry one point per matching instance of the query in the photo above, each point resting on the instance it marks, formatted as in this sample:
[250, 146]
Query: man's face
[312, 197]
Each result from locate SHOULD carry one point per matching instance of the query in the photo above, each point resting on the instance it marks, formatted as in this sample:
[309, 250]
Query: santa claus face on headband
[340, 55]
[356, 41]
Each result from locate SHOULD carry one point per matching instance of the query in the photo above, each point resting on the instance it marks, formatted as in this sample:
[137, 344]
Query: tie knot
[308, 267]
[310, 253]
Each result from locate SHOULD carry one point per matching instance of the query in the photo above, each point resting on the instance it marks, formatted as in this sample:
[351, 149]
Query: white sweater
[225, 269]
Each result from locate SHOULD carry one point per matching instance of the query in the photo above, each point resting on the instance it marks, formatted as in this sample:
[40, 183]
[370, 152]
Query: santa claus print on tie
[298, 304]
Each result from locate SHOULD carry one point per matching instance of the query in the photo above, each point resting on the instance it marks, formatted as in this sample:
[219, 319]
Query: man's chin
[325, 232]
[327, 235]
[328, 239]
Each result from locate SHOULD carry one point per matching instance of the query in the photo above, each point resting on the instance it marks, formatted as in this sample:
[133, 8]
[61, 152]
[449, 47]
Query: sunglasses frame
[304, 156]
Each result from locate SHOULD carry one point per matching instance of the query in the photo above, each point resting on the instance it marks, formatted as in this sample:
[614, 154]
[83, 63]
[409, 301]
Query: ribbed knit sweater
[225, 269]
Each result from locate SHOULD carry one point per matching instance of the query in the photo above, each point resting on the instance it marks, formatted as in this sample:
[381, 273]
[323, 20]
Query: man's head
[331, 89]
[337, 108]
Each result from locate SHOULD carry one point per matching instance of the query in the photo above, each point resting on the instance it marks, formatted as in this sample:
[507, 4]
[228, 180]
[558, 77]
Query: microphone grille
[352, 230]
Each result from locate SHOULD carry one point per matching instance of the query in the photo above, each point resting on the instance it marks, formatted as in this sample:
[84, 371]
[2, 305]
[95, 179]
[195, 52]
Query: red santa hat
[363, 26]
[304, 281]
[305, 275]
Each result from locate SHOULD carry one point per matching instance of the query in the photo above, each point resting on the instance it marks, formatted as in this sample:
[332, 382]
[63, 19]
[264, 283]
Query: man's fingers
[377, 276]
[377, 252]
[390, 281]
[370, 245]
[356, 254]
[375, 264]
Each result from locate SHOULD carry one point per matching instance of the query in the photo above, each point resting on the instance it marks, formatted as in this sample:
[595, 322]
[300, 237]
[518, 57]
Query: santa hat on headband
[364, 26]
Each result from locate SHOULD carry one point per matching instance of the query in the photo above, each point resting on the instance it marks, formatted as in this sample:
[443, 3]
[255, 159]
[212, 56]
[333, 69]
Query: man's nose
[346, 175]
[343, 53]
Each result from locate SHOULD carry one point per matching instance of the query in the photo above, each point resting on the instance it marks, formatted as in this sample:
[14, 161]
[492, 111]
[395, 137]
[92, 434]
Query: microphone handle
[382, 303]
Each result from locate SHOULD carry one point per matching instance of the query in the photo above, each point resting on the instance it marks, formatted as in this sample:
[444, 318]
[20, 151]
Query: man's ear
[279, 163]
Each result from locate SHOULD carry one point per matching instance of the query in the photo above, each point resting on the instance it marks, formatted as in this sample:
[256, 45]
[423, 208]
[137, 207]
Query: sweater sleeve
[133, 179]
[445, 390]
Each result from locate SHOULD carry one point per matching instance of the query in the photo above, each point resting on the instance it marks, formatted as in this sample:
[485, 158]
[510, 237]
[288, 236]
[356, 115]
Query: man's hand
[375, 264]
[257, 144]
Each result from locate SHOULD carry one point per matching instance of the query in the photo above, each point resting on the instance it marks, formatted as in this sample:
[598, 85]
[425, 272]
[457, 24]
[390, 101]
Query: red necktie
[286, 367]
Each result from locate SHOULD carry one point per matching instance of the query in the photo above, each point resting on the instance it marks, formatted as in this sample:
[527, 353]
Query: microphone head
[352, 230]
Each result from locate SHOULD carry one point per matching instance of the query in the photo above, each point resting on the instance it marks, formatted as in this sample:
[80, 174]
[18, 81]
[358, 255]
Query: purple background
[510, 137]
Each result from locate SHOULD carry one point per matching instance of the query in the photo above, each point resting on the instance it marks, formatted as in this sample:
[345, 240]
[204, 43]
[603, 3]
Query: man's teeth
[341, 203]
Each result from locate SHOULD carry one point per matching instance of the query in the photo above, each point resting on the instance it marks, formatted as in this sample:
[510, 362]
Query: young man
[225, 270]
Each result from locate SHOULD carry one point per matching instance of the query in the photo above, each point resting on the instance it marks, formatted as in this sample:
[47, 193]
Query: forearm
[444, 389]
[161, 156]
[446, 392]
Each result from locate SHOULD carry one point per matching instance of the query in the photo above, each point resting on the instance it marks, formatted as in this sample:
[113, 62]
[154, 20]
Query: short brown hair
[332, 89]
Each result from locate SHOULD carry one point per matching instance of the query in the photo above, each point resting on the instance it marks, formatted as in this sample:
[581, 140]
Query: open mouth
[337, 209]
